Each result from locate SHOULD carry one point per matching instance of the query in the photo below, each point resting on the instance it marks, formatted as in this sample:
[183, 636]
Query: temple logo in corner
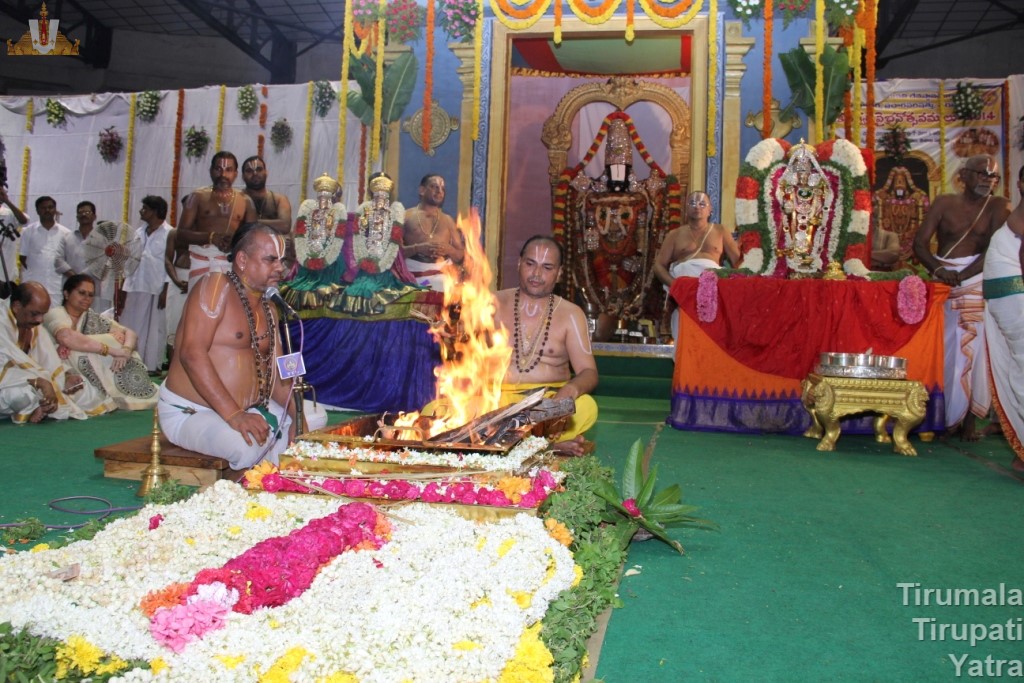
[43, 38]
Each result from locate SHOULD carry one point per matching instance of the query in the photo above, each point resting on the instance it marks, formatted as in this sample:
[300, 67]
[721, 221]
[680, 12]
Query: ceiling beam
[227, 30]
[958, 39]
[892, 25]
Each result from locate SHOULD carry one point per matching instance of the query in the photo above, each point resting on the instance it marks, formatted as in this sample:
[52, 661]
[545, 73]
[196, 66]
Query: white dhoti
[965, 361]
[199, 428]
[1004, 332]
[175, 304]
[18, 402]
[206, 258]
[149, 322]
[428, 274]
[689, 268]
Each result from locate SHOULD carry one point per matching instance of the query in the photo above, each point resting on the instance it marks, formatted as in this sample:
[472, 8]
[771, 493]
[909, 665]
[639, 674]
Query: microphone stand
[299, 387]
[6, 233]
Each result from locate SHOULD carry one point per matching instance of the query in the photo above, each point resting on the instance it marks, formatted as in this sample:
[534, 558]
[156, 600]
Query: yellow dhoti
[578, 423]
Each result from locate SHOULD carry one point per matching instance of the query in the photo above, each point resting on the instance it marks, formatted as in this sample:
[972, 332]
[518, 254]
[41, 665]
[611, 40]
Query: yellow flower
[281, 671]
[235, 530]
[114, 665]
[77, 653]
[558, 531]
[39, 547]
[157, 665]
[481, 543]
[257, 511]
[482, 602]
[466, 645]
[523, 598]
[190, 540]
[577, 575]
[531, 662]
[506, 546]
[274, 623]
[231, 661]
[254, 475]
[514, 487]
[338, 677]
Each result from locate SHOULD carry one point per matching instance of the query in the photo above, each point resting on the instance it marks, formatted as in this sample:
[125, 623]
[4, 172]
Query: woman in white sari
[101, 351]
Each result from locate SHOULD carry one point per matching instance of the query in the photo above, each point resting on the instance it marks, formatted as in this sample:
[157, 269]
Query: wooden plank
[138, 451]
[190, 476]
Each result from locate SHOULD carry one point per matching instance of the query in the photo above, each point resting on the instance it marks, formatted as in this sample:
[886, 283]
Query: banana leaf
[800, 73]
[399, 81]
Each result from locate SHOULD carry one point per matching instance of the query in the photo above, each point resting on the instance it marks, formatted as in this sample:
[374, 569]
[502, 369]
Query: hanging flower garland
[133, 104]
[247, 103]
[30, 113]
[220, 116]
[323, 97]
[428, 77]
[819, 71]
[378, 88]
[457, 18]
[766, 70]
[261, 141]
[197, 141]
[942, 135]
[149, 106]
[26, 163]
[517, 20]
[557, 35]
[630, 29]
[478, 48]
[263, 114]
[311, 90]
[858, 79]
[176, 169]
[679, 14]
[367, 261]
[968, 104]
[110, 144]
[871, 12]
[56, 113]
[321, 251]
[347, 46]
[281, 135]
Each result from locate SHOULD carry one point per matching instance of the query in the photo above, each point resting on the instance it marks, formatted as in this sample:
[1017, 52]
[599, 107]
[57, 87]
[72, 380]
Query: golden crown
[325, 183]
[381, 183]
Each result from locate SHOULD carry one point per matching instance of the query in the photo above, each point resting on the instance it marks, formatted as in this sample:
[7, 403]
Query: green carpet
[798, 584]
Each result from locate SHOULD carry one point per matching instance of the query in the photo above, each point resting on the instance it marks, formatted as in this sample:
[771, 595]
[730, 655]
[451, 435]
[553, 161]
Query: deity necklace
[264, 362]
[528, 352]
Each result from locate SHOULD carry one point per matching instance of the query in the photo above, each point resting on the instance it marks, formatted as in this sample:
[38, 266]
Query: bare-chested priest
[550, 340]
[211, 216]
[430, 238]
[963, 225]
[223, 396]
[692, 248]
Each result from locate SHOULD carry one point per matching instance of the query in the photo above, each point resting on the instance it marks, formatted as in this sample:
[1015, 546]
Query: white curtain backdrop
[66, 165]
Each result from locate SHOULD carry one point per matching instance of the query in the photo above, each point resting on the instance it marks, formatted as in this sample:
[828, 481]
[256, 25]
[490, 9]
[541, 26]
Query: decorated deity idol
[804, 195]
[375, 273]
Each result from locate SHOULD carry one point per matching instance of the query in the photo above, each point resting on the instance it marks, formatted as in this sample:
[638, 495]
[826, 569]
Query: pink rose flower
[155, 520]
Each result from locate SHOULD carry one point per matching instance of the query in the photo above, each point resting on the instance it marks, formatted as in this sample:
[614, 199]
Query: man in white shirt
[41, 248]
[11, 220]
[143, 311]
[73, 254]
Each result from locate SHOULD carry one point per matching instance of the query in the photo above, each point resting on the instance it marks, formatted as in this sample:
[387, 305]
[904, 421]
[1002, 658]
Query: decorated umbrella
[112, 250]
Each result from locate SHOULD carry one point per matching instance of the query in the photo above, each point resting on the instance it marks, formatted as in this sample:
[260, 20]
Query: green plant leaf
[399, 81]
[643, 497]
[632, 471]
[800, 74]
[667, 496]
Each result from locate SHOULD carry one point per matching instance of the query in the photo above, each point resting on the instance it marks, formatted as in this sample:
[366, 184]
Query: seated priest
[550, 341]
[33, 383]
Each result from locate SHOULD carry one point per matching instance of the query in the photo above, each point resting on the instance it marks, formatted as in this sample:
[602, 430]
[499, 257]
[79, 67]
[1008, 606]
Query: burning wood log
[491, 427]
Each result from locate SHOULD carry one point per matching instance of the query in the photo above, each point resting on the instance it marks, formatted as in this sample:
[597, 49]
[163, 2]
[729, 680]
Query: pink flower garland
[269, 574]
[910, 299]
[462, 491]
[707, 296]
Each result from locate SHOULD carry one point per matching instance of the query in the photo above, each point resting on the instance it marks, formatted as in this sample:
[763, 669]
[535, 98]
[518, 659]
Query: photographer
[11, 217]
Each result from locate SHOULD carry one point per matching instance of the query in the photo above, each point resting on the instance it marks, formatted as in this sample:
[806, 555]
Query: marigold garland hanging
[311, 90]
[533, 13]
[680, 14]
[149, 106]
[428, 76]
[630, 29]
[247, 103]
[557, 34]
[871, 12]
[176, 168]
[857, 94]
[30, 112]
[594, 15]
[712, 76]
[766, 70]
[26, 159]
[220, 116]
[378, 89]
[819, 71]
[346, 52]
[261, 141]
[263, 114]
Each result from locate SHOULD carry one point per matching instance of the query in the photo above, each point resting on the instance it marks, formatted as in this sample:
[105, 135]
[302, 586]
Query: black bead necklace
[264, 362]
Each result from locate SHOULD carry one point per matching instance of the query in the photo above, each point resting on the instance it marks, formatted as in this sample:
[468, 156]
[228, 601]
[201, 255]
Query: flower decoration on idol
[56, 113]
[968, 104]
[148, 106]
[746, 10]
[895, 143]
[637, 505]
[320, 228]
[458, 18]
[281, 134]
[247, 102]
[324, 98]
[197, 141]
[110, 145]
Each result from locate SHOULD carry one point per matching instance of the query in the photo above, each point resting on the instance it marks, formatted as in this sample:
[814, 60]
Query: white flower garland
[765, 153]
[445, 600]
[333, 240]
[359, 247]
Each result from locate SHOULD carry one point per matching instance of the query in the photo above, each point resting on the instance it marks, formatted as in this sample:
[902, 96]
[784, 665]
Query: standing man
[34, 383]
[211, 216]
[11, 220]
[41, 244]
[430, 239]
[176, 265]
[271, 208]
[550, 341]
[223, 396]
[73, 253]
[963, 224]
[144, 289]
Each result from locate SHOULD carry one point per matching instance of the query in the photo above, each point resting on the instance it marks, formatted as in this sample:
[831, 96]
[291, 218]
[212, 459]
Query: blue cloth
[371, 366]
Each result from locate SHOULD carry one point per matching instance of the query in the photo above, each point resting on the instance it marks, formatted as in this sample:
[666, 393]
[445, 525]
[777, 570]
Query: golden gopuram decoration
[43, 38]
[828, 399]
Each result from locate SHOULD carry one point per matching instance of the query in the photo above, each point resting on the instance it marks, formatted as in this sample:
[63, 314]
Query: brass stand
[299, 389]
[155, 474]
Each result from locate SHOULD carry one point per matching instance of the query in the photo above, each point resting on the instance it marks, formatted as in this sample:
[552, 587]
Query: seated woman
[101, 351]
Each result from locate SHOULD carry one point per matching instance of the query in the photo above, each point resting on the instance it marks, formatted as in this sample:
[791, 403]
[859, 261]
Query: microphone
[9, 231]
[272, 294]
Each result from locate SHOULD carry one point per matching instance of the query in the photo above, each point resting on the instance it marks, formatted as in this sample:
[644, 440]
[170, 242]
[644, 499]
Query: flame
[475, 352]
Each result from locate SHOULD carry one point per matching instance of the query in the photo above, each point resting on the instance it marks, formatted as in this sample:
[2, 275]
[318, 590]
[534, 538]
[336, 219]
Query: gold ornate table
[828, 399]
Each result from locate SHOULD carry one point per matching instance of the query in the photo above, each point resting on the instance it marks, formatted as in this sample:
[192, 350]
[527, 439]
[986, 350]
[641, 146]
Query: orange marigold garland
[378, 87]
[630, 31]
[942, 134]
[819, 71]
[346, 52]
[362, 160]
[176, 172]
[260, 142]
[557, 37]
[712, 148]
[428, 76]
[871, 9]
[766, 62]
[263, 114]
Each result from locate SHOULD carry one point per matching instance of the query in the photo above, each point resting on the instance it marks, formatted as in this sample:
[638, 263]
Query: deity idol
[804, 197]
